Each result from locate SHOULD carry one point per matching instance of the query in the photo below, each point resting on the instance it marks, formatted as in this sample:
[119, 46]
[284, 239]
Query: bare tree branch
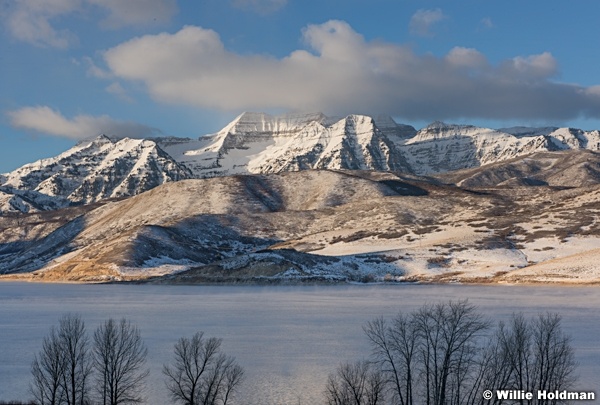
[200, 373]
[119, 360]
[355, 384]
[62, 368]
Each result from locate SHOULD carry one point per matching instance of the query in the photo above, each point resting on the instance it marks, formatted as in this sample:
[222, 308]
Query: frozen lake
[288, 339]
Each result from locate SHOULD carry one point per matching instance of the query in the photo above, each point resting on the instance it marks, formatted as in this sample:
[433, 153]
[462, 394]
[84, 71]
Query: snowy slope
[260, 143]
[440, 147]
[569, 168]
[185, 223]
[316, 225]
[571, 138]
[14, 201]
[95, 170]
[561, 138]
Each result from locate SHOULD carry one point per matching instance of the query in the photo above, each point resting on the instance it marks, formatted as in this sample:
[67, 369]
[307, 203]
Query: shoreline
[300, 282]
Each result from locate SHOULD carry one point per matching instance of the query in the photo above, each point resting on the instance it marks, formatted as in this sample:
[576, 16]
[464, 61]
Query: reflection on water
[288, 339]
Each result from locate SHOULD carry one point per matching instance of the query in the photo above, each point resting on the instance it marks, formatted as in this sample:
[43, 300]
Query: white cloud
[29, 21]
[342, 72]
[47, 121]
[542, 65]
[260, 6]
[423, 20]
[34, 21]
[466, 57]
[592, 91]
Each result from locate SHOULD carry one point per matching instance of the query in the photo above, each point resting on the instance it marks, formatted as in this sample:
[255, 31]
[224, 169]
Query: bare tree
[438, 355]
[554, 356]
[448, 334]
[394, 352]
[62, 368]
[515, 342]
[119, 360]
[355, 384]
[530, 355]
[47, 371]
[431, 356]
[78, 367]
[200, 373]
[492, 370]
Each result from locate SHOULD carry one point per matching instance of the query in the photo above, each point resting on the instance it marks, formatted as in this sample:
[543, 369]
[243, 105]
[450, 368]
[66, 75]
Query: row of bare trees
[447, 354]
[443, 354]
[113, 362]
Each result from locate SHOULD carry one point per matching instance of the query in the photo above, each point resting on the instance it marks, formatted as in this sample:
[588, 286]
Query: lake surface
[288, 339]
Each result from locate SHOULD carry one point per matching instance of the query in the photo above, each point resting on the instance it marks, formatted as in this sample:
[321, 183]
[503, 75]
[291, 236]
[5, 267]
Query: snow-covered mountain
[440, 148]
[89, 172]
[258, 143]
[561, 138]
[15, 200]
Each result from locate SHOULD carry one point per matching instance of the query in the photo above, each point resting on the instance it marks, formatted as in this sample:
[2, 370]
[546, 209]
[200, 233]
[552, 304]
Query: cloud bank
[32, 21]
[342, 72]
[44, 120]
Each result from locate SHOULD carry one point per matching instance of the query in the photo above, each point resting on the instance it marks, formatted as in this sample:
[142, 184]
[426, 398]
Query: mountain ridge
[259, 143]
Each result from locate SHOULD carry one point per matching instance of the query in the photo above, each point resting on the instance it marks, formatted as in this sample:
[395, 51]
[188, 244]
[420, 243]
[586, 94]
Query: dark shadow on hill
[405, 189]
[29, 246]
[399, 185]
[259, 188]
[203, 239]
[31, 255]
[261, 267]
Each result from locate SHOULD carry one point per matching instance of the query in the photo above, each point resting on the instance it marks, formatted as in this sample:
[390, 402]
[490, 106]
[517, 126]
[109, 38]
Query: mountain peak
[248, 122]
[360, 118]
[97, 169]
[528, 131]
[391, 128]
[440, 125]
[255, 142]
[101, 139]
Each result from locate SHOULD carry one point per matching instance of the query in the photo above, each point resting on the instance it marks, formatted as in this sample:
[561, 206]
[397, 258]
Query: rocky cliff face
[440, 148]
[260, 143]
[89, 172]
[571, 138]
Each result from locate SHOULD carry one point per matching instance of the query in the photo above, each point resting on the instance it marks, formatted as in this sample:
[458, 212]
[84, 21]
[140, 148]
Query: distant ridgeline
[257, 143]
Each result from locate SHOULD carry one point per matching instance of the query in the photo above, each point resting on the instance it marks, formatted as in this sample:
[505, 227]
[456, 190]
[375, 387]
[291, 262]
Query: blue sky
[71, 69]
